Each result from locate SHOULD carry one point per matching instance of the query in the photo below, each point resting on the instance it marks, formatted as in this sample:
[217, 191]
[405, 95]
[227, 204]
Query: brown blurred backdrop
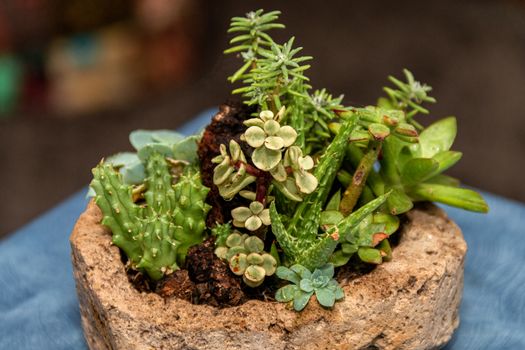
[77, 76]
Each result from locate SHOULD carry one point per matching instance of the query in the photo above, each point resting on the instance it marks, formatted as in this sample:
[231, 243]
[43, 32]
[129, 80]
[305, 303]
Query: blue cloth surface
[39, 307]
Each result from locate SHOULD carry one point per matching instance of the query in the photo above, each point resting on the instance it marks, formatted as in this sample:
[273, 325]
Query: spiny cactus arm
[325, 172]
[160, 195]
[160, 249]
[190, 212]
[120, 213]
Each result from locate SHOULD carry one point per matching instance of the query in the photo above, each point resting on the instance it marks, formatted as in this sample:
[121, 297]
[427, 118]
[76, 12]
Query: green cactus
[189, 214]
[246, 257]
[305, 284]
[155, 237]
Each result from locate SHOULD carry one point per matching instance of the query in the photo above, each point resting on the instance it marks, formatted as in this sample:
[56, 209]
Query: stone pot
[409, 303]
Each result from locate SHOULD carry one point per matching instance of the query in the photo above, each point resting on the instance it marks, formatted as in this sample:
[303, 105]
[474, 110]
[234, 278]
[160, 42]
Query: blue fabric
[39, 307]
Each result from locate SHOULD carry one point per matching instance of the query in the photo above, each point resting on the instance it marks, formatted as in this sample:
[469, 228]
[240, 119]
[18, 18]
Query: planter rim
[410, 302]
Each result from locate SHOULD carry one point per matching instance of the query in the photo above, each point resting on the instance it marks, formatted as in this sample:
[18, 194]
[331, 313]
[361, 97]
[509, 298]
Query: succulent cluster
[305, 284]
[246, 257]
[316, 185]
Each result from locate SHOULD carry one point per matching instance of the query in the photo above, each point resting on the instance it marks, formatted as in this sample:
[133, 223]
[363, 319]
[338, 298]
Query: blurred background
[76, 76]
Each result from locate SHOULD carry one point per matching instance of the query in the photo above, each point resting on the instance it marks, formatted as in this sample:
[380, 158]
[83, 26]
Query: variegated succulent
[252, 217]
[268, 138]
[246, 257]
[230, 175]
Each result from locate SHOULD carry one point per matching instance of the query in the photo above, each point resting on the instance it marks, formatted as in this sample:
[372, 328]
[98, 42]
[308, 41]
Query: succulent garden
[282, 190]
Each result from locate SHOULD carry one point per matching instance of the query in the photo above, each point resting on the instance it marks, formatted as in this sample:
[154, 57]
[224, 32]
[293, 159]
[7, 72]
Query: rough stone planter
[409, 303]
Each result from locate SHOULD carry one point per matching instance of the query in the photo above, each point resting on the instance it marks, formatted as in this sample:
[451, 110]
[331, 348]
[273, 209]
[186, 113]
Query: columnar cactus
[189, 214]
[155, 237]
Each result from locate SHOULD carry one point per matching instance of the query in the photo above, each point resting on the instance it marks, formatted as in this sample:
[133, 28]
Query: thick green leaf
[275, 254]
[333, 203]
[445, 160]
[438, 137]
[301, 299]
[286, 293]
[306, 286]
[301, 271]
[456, 197]
[287, 274]
[444, 180]
[145, 152]
[386, 250]
[133, 174]
[370, 255]
[418, 170]
[331, 217]
[349, 248]
[398, 202]
[122, 159]
[390, 222]
[325, 297]
[186, 149]
[340, 258]
[166, 136]
[140, 138]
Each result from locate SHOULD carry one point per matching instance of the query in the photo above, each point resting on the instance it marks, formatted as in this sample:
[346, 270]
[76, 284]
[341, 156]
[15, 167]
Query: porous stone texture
[409, 303]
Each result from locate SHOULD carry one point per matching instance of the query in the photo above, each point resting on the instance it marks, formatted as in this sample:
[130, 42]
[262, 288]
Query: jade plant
[309, 185]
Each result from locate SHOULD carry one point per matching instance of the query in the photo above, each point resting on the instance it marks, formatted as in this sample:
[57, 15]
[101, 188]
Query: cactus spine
[155, 237]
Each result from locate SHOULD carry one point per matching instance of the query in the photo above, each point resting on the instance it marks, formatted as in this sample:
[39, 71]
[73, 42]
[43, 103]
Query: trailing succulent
[316, 185]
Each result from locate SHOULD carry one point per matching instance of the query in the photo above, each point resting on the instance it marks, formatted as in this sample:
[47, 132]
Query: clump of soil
[176, 285]
[226, 125]
[215, 284]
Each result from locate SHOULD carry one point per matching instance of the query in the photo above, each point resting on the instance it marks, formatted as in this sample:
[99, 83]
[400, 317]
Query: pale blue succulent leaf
[288, 275]
[325, 297]
[302, 271]
[186, 149]
[166, 136]
[286, 293]
[133, 174]
[145, 152]
[306, 285]
[122, 159]
[301, 299]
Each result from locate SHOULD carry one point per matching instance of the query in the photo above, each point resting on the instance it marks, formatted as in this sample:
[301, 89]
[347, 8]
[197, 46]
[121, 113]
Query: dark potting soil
[226, 125]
